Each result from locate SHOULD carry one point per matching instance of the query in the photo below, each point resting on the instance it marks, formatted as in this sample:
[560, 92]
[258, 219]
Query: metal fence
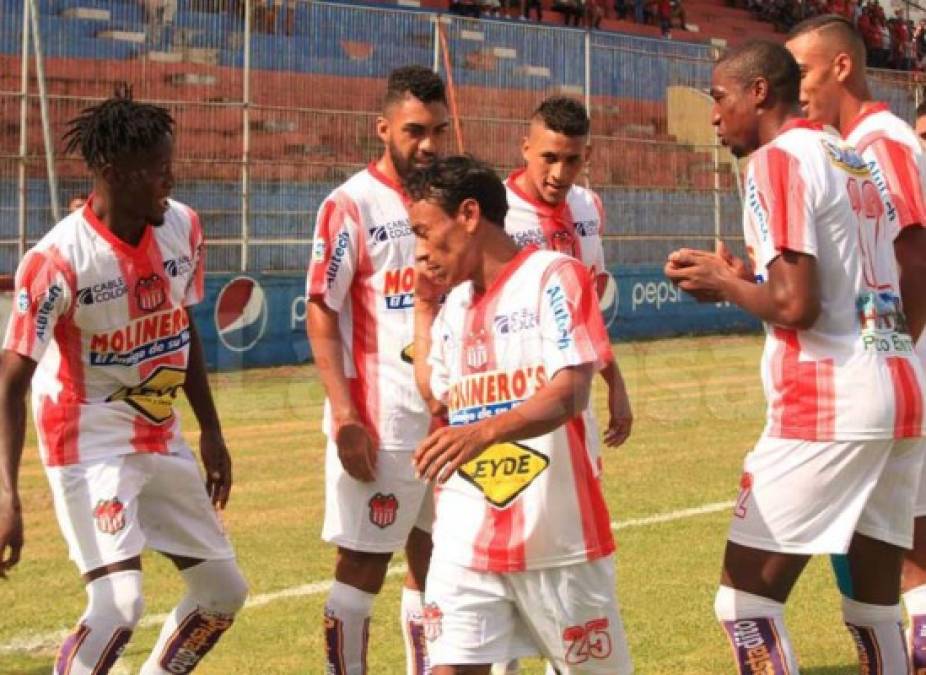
[276, 102]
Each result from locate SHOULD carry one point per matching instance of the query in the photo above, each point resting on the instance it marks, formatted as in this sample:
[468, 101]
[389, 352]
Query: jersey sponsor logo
[43, 316]
[845, 157]
[432, 618]
[154, 397]
[142, 339]
[529, 238]
[392, 230]
[241, 314]
[586, 228]
[515, 322]
[504, 471]
[755, 202]
[102, 292]
[562, 317]
[150, 293]
[180, 266]
[23, 301]
[109, 515]
[337, 257]
[483, 395]
[399, 288]
[883, 324]
[383, 510]
[877, 177]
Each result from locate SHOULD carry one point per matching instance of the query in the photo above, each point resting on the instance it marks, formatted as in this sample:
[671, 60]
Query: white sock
[215, 592]
[513, 667]
[416, 646]
[878, 634]
[756, 630]
[114, 606]
[915, 600]
[347, 629]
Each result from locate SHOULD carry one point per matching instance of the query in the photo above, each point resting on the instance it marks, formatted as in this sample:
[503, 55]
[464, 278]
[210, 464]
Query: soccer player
[522, 560]
[546, 208]
[360, 287]
[920, 126]
[103, 332]
[837, 466]
[834, 91]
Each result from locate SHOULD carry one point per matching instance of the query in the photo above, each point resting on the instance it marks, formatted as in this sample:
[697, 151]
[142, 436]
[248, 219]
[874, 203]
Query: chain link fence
[276, 102]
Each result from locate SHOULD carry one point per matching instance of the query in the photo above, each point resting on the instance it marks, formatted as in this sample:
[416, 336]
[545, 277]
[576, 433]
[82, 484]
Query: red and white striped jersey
[108, 327]
[853, 375]
[573, 227]
[363, 267]
[535, 503]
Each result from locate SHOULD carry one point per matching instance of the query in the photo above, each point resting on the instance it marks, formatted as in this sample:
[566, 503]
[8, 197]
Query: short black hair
[921, 109]
[832, 24]
[418, 81]
[564, 115]
[116, 128]
[450, 181]
[767, 60]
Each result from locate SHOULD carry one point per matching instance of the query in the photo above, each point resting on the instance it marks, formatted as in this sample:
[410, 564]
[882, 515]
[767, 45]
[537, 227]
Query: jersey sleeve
[335, 251]
[196, 285]
[437, 358]
[782, 195]
[42, 297]
[903, 182]
[571, 329]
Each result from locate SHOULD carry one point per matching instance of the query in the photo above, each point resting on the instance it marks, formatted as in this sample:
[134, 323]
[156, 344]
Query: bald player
[834, 91]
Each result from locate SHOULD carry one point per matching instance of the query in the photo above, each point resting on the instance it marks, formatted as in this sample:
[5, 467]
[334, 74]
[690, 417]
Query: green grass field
[698, 407]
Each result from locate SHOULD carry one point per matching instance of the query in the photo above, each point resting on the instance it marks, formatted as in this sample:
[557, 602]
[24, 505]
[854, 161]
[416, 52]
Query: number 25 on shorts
[591, 641]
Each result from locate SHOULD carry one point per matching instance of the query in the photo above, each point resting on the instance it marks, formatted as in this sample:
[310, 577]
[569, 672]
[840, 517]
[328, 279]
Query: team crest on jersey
[432, 620]
[319, 248]
[150, 293]
[563, 242]
[383, 510]
[109, 515]
[504, 471]
[154, 398]
[476, 351]
[23, 301]
[845, 158]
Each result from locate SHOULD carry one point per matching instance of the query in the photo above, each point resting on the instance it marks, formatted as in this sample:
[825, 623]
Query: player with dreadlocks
[103, 332]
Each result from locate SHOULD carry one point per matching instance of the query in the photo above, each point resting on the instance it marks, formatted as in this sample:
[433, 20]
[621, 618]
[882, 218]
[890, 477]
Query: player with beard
[834, 91]
[360, 287]
[102, 322]
[836, 468]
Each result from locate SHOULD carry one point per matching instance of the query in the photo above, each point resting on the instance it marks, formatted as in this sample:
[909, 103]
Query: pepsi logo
[241, 314]
[608, 297]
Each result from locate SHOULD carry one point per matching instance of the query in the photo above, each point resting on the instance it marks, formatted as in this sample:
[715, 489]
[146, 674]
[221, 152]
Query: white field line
[38, 642]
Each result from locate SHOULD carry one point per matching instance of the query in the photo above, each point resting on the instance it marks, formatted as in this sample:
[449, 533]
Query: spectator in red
[664, 11]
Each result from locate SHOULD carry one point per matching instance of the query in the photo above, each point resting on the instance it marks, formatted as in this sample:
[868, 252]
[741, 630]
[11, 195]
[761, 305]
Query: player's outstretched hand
[738, 266]
[446, 450]
[356, 451]
[620, 420]
[218, 465]
[11, 535]
[699, 273]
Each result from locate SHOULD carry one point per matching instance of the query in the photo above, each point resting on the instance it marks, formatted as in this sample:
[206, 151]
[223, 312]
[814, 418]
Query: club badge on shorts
[109, 515]
[383, 509]
[431, 618]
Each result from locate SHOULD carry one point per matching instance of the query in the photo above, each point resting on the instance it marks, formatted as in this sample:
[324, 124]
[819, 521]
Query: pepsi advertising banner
[252, 320]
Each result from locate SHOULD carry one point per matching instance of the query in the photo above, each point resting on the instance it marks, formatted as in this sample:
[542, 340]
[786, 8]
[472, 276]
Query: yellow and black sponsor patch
[846, 158]
[408, 354]
[504, 471]
[154, 398]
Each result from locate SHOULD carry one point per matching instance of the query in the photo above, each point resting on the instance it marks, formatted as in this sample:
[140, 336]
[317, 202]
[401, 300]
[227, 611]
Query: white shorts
[111, 509]
[919, 510]
[375, 517]
[807, 497]
[569, 615]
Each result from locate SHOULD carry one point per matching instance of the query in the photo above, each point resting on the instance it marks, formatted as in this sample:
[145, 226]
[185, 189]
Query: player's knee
[365, 571]
[217, 586]
[117, 597]
[732, 605]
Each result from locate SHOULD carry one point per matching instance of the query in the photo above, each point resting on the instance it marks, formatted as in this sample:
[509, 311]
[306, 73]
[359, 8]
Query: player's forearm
[196, 386]
[910, 249]
[777, 306]
[328, 353]
[425, 313]
[12, 438]
[560, 400]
